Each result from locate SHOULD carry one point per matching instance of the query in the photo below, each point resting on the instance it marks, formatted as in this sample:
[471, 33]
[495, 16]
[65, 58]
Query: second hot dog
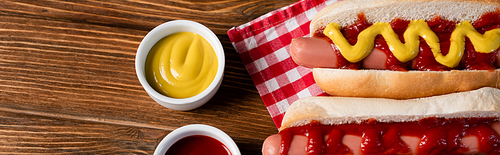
[458, 123]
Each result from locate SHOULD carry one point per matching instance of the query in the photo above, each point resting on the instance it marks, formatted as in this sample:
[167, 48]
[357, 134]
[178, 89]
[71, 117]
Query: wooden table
[68, 82]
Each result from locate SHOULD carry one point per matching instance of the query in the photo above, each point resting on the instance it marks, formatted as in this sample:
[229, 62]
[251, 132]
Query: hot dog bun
[484, 102]
[402, 85]
[345, 12]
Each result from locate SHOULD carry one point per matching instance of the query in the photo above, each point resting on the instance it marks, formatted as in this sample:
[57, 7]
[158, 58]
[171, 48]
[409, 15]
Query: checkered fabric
[264, 44]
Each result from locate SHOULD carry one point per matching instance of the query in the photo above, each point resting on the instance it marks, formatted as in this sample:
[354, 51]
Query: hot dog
[458, 123]
[426, 41]
[406, 77]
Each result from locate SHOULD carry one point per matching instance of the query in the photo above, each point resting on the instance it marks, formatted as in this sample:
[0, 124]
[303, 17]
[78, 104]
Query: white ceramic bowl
[196, 129]
[166, 29]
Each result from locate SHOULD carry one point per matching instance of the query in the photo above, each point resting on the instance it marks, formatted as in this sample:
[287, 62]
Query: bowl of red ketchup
[197, 139]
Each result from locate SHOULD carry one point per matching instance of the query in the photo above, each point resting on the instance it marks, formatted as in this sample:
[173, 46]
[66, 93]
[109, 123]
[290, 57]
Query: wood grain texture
[68, 83]
[21, 133]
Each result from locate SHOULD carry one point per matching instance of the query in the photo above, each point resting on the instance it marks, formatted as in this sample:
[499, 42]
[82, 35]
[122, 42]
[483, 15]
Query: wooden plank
[144, 15]
[20, 133]
[28, 134]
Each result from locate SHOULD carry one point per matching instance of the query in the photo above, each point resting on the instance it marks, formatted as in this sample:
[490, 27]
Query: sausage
[271, 145]
[315, 52]
[376, 60]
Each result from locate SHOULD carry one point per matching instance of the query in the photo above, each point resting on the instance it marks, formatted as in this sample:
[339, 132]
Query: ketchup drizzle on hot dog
[482, 61]
[425, 60]
[334, 143]
[438, 136]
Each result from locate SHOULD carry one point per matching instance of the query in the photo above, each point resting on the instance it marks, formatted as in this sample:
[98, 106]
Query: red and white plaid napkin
[264, 44]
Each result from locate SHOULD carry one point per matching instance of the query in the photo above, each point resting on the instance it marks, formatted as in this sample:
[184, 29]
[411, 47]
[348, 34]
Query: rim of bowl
[196, 129]
[182, 26]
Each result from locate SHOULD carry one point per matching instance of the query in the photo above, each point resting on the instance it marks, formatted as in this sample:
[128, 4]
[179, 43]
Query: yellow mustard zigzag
[404, 52]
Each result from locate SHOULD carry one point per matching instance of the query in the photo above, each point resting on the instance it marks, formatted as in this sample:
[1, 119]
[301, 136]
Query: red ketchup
[437, 136]
[198, 145]
[425, 60]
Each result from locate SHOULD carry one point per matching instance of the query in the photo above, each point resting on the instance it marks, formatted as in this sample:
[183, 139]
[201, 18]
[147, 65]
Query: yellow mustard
[181, 65]
[404, 52]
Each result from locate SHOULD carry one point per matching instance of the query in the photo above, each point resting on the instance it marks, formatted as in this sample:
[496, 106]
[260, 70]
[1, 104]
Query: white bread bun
[346, 12]
[402, 85]
[484, 103]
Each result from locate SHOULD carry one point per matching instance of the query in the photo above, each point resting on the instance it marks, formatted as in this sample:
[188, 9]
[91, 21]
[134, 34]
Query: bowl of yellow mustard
[180, 64]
